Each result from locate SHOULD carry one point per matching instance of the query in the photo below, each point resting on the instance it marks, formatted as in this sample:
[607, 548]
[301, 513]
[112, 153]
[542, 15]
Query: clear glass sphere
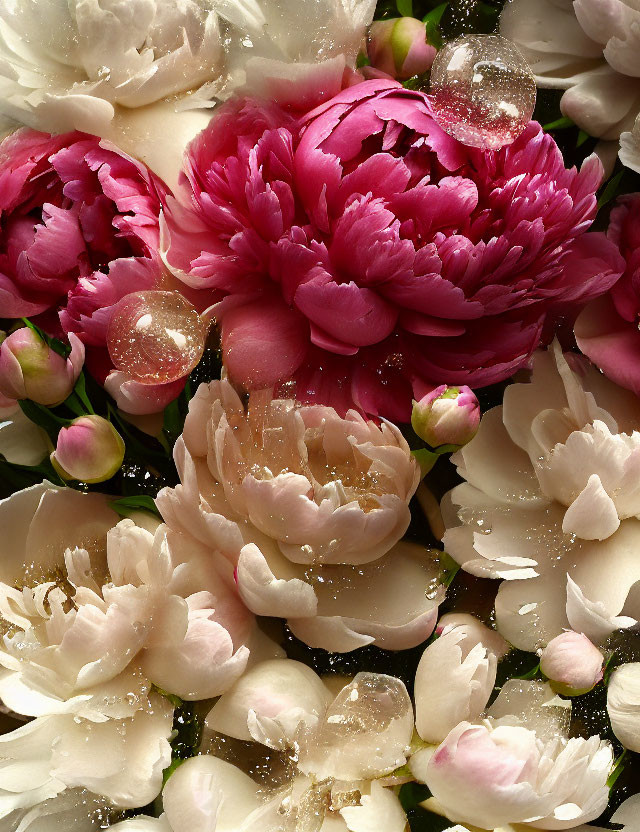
[156, 336]
[483, 92]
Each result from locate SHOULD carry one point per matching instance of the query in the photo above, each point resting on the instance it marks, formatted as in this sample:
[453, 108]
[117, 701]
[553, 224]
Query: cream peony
[132, 71]
[342, 744]
[554, 512]
[79, 616]
[623, 704]
[591, 49]
[518, 765]
[113, 741]
[207, 794]
[311, 508]
[454, 679]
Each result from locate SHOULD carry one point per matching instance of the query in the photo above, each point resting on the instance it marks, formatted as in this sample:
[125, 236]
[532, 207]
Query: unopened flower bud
[30, 369]
[399, 47]
[446, 416]
[572, 663]
[89, 450]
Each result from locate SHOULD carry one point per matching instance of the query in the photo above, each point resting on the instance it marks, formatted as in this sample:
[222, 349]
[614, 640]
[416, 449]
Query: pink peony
[607, 330]
[368, 256]
[79, 223]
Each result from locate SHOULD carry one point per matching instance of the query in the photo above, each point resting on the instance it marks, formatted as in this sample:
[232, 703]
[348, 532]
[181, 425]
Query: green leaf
[617, 769]
[405, 7]
[126, 506]
[610, 189]
[560, 124]
[432, 23]
[80, 390]
[426, 459]
[55, 344]
[43, 417]
[582, 138]
[530, 674]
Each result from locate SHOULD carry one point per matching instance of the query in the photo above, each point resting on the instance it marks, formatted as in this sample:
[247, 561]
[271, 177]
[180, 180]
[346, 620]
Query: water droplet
[483, 92]
[156, 336]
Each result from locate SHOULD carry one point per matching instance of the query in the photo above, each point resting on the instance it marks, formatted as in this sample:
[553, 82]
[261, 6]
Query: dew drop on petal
[483, 91]
[156, 336]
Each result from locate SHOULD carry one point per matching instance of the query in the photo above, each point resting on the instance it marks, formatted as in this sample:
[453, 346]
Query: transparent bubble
[365, 733]
[483, 92]
[156, 336]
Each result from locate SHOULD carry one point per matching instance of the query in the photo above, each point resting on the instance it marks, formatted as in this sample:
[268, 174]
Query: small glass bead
[156, 336]
[483, 92]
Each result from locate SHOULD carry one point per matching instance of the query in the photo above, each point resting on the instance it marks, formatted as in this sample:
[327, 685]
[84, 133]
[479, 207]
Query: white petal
[592, 515]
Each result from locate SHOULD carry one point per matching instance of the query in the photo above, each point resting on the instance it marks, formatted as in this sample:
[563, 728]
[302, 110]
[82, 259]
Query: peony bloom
[591, 49]
[607, 329]
[91, 238]
[368, 256]
[623, 704]
[310, 507]
[223, 797]
[133, 71]
[30, 369]
[551, 503]
[572, 663]
[340, 742]
[166, 605]
[518, 765]
[454, 679]
[119, 750]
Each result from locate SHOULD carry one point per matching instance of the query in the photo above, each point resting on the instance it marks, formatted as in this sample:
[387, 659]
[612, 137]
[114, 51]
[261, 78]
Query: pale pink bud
[572, 663]
[30, 369]
[89, 450]
[399, 47]
[446, 416]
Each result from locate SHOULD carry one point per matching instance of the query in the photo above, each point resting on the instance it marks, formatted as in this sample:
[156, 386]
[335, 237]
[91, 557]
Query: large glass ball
[156, 336]
[483, 92]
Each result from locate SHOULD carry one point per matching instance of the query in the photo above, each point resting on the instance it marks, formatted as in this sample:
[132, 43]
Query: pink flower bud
[572, 663]
[399, 47]
[446, 416]
[89, 450]
[30, 369]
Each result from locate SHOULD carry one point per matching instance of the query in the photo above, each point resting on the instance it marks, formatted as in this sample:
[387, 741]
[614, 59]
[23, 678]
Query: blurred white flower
[21, 441]
[518, 765]
[319, 504]
[591, 49]
[79, 616]
[454, 679]
[555, 511]
[623, 704]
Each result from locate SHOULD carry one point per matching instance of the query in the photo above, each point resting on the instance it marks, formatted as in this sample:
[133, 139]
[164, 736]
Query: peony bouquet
[320, 399]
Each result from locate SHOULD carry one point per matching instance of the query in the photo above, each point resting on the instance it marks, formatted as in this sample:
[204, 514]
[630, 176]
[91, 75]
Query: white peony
[518, 765]
[79, 616]
[141, 70]
[551, 504]
[112, 741]
[207, 794]
[313, 506]
[623, 704]
[591, 49]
